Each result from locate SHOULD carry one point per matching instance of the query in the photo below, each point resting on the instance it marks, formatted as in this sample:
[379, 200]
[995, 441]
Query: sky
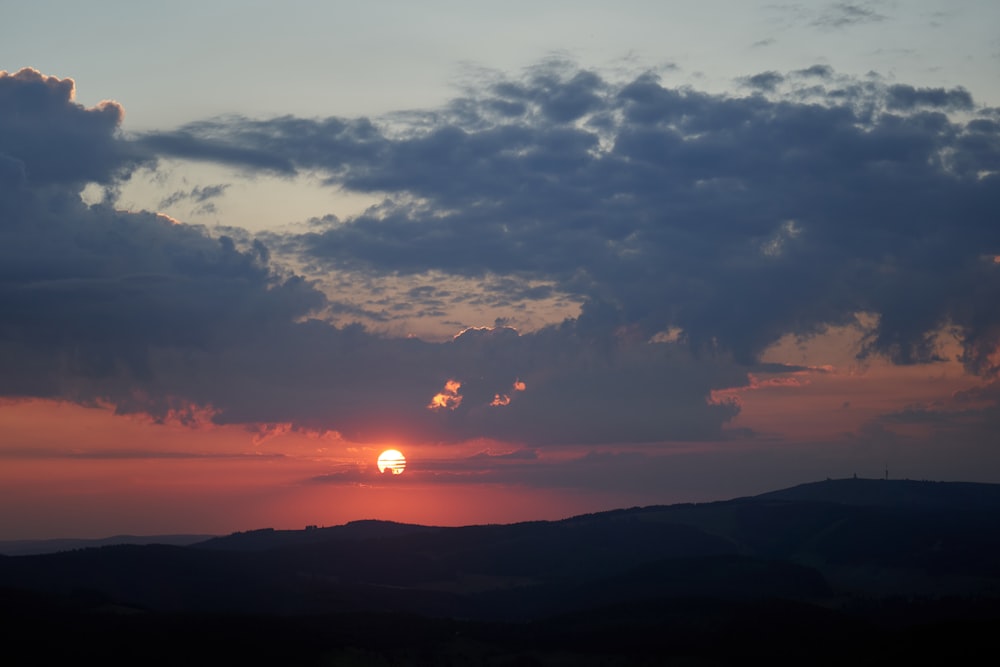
[565, 256]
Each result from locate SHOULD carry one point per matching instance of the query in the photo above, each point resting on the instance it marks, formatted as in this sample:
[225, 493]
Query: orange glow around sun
[392, 460]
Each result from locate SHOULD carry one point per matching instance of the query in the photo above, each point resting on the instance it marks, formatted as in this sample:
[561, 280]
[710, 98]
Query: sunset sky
[565, 256]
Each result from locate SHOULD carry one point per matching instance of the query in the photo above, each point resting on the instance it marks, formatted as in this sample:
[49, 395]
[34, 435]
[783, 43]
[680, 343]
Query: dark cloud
[156, 317]
[252, 144]
[819, 71]
[728, 221]
[55, 140]
[199, 195]
[734, 219]
[89, 293]
[907, 98]
[93, 297]
[560, 96]
[377, 389]
[765, 81]
[185, 145]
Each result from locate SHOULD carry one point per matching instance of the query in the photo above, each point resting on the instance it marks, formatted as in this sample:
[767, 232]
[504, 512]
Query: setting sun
[392, 460]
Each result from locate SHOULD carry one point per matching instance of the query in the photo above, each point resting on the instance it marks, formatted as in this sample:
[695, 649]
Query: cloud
[693, 229]
[259, 145]
[819, 71]
[202, 196]
[54, 139]
[734, 220]
[908, 98]
[846, 14]
[183, 144]
[90, 295]
[765, 81]
[379, 389]
[89, 291]
[448, 398]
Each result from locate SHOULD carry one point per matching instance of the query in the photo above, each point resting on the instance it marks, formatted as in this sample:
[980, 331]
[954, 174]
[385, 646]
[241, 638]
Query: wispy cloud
[847, 14]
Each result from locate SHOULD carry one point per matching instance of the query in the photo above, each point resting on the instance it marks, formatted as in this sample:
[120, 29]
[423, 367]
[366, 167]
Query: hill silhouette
[895, 493]
[33, 547]
[856, 556]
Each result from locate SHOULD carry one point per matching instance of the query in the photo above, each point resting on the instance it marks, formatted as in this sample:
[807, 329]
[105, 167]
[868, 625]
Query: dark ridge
[895, 493]
[269, 538]
[31, 547]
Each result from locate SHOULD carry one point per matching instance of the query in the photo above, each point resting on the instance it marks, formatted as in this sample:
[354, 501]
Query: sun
[392, 460]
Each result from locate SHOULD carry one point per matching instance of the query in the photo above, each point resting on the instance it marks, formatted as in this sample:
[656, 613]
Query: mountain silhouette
[868, 555]
[895, 493]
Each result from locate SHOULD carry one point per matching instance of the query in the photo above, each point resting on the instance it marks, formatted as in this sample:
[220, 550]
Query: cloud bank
[694, 230]
[734, 219]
